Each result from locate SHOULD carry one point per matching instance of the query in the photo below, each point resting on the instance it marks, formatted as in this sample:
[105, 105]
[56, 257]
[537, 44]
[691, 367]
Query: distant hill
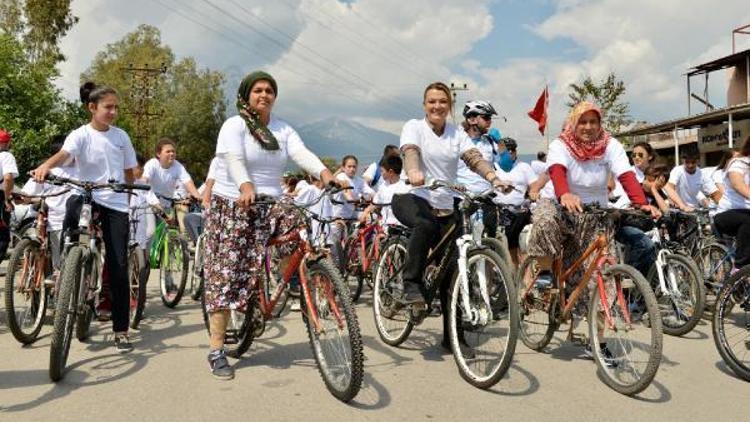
[336, 137]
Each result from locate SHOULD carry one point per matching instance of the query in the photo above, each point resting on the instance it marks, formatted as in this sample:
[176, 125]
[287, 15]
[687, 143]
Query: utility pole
[143, 83]
[454, 91]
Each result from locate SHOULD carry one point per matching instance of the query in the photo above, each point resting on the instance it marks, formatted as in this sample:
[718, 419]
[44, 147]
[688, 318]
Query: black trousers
[115, 229]
[736, 223]
[4, 227]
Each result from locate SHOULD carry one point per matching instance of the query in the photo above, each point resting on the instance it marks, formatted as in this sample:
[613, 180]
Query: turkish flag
[539, 113]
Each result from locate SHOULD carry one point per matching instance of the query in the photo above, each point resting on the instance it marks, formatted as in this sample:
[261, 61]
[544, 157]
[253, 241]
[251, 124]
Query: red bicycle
[332, 325]
[362, 252]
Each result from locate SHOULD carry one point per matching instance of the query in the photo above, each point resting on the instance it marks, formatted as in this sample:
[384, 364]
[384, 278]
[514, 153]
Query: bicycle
[623, 304]
[731, 322]
[138, 271]
[169, 252]
[80, 277]
[483, 320]
[361, 253]
[326, 307]
[29, 284]
[677, 283]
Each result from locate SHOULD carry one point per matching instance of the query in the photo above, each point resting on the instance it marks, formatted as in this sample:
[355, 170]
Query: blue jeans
[640, 251]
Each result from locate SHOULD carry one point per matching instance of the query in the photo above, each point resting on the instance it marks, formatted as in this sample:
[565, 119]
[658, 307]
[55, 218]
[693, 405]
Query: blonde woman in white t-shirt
[254, 148]
[733, 218]
[101, 153]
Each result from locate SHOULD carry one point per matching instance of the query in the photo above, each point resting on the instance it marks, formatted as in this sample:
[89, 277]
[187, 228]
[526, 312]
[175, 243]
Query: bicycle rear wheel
[65, 313]
[391, 317]
[483, 337]
[682, 308]
[731, 323]
[715, 265]
[174, 268]
[537, 308]
[337, 344]
[352, 274]
[627, 353]
[138, 276]
[240, 330]
[25, 303]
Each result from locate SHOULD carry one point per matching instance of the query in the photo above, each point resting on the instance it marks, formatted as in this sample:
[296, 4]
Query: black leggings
[736, 223]
[115, 228]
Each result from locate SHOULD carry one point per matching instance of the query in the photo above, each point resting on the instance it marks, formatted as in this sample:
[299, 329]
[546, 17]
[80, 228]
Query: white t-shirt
[464, 176]
[521, 176]
[101, 156]
[623, 201]
[264, 167]
[140, 210]
[539, 167]
[640, 176]
[8, 164]
[212, 169]
[439, 157]
[56, 205]
[689, 185]
[588, 179]
[732, 200]
[385, 195]
[165, 182]
[369, 174]
[306, 194]
[360, 189]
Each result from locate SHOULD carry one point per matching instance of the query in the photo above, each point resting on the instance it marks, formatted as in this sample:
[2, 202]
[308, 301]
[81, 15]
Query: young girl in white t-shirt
[103, 152]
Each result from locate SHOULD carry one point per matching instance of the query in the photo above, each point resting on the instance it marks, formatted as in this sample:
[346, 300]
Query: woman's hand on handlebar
[650, 209]
[572, 203]
[416, 177]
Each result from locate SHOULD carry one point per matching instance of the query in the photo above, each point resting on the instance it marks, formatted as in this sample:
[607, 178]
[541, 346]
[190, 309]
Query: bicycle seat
[399, 231]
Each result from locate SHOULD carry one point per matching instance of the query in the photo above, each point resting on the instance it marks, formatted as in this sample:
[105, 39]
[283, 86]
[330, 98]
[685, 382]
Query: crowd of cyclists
[539, 210]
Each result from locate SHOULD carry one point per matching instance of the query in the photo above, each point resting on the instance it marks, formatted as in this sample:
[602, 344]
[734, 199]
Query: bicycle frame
[376, 230]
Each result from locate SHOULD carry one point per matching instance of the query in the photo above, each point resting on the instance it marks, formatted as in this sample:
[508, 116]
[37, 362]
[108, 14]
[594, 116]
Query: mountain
[336, 137]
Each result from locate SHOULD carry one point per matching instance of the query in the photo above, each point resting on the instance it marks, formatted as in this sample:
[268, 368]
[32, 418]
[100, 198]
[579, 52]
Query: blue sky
[368, 60]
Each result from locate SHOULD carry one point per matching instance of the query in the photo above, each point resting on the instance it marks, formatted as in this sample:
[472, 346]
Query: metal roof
[739, 112]
[721, 63]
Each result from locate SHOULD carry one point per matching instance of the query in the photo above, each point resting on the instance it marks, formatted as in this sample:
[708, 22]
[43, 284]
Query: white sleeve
[617, 159]
[464, 142]
[183, 175]
[212, 170]
[231, 138]
[737, 166]
[410, 134]
[148, 170]
[130, 161]
[9, 165]
[369, 174]
[558, 154]
[237, 168]
[531, 175]
[73, 144]
[674, 175]
[302, 156]
[708, 186]
[31, 188]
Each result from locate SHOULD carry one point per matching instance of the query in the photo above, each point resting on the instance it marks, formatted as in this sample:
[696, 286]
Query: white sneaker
[295, 307]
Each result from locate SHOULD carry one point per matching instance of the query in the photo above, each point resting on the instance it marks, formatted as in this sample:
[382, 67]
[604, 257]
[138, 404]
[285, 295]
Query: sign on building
[716, 137]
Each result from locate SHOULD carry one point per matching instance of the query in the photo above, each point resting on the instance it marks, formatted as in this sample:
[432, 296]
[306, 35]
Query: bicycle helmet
[479, 108]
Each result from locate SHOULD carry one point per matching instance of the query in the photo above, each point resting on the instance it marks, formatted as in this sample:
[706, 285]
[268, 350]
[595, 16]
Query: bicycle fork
[603, 294]
[471, 315]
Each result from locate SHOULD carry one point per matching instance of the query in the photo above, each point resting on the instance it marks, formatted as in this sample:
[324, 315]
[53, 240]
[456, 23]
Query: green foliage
[190, 100]
[30, 106]
[607, 94]
[47, 21]
[330, 162]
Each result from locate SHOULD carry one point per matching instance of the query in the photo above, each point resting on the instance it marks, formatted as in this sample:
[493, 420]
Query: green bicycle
[169, 253]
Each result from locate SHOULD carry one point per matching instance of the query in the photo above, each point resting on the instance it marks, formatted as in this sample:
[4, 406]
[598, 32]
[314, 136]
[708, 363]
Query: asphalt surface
[167, 378]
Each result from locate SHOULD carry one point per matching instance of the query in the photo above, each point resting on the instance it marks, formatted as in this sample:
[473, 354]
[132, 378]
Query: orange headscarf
[584, 150]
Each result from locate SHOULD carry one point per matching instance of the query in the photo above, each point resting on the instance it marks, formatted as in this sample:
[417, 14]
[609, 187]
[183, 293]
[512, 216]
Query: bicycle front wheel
[25, 302]
[174, 268]
[731, 323]
[626, 346]
[65, 313]
[682, 303]
[715, 264]
[353, 268]
[483, 329]
[391, 317]
[336, 342]
[138, 276]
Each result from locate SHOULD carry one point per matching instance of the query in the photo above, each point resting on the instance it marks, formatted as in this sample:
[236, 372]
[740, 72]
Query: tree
[39, 25]
[191, 100]
[607, 94]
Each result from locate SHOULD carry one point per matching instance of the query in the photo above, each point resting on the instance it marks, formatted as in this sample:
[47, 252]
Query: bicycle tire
[25, 250]
[726, 301]
[196, 273]
[327, 271]
[65, 313]
[695, 288]
[237, 341]
[645, 297]
[536, 299]
[712, 271]
[138, 272]
[384, 305]
[86, 304]
[353, 267]
[175, 248]
[458, 334]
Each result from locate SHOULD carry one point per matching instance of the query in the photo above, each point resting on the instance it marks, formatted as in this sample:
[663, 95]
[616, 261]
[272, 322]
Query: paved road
[166, 378]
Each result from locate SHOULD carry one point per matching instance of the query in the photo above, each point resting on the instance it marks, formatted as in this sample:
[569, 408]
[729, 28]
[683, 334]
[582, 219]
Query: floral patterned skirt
[236, 240]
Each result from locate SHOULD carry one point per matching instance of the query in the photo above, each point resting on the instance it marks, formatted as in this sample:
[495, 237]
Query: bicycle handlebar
[91, 186]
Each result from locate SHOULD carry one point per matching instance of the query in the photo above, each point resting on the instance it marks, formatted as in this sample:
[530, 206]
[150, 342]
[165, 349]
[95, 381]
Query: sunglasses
[474, 115]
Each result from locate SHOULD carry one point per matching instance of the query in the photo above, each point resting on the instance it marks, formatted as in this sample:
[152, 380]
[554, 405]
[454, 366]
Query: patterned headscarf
[584, 150]
[255, 126]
